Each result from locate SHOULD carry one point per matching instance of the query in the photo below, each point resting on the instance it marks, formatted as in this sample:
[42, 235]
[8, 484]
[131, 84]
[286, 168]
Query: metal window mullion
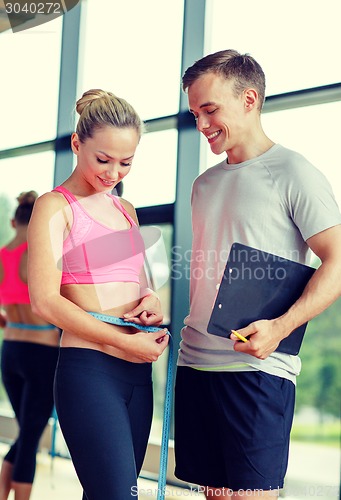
[304, 97]
[67, 90]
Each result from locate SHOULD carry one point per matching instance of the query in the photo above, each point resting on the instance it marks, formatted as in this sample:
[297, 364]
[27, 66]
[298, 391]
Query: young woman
[28, 358]
[86, 255]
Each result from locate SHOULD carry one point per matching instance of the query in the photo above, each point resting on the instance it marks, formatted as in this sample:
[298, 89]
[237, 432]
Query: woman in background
[28, 358]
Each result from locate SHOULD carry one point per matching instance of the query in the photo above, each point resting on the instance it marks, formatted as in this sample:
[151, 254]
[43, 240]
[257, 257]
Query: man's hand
[147, 312]
[263, 337]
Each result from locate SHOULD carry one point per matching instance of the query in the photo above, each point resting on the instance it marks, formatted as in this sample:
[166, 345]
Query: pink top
[95, 253]
[12, 289]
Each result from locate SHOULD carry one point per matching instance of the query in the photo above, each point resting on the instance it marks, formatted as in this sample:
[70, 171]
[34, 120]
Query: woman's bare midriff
[113, 299]
[22, 313]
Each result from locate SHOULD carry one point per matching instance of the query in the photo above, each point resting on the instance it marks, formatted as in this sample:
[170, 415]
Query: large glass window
[133, 49]
[29, 84]
[24, 173]
[152, 178]
[296, 43]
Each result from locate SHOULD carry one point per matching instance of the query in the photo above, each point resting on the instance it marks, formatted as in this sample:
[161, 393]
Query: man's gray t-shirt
[274, 202]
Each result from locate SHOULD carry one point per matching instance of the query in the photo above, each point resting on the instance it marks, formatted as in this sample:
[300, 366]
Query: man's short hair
[243, 69]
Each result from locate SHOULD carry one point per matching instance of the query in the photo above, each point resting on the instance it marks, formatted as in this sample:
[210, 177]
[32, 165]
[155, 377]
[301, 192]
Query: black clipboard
[258, 285]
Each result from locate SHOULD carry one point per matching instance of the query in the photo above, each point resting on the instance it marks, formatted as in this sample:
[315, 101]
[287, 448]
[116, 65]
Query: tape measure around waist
[24, 326]
[167, 407]
[114, 320]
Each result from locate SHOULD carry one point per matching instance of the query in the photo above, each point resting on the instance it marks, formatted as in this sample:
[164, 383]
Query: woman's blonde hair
[98, 108]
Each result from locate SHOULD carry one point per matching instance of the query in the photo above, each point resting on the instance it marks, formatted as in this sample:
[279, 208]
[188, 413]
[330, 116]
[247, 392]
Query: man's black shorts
[232, 429]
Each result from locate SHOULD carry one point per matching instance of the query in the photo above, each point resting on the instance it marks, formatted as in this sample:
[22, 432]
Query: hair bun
[87, 98]
[28, 197]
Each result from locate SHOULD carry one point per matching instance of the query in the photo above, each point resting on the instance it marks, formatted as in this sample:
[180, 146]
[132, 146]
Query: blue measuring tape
[24, 326]
[167, 408]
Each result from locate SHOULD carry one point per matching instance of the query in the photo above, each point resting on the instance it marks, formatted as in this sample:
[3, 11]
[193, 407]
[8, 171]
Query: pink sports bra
[12, 289]
[94, 253]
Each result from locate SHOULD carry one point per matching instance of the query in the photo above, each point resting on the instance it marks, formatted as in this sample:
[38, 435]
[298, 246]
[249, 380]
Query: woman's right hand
[145, 347]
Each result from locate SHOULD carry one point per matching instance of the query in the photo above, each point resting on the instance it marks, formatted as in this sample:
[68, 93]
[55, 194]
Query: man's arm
[321, 291]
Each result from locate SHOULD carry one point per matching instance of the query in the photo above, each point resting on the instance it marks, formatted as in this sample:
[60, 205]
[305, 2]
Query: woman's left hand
[147, 312]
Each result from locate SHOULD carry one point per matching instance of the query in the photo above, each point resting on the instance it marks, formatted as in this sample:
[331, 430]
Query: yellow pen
[239, 336]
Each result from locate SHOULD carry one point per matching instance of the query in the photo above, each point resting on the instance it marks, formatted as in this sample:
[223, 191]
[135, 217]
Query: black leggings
[104, 406]
[27, 373]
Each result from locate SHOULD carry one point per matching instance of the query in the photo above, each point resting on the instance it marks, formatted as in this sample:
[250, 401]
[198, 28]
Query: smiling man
[234, 401]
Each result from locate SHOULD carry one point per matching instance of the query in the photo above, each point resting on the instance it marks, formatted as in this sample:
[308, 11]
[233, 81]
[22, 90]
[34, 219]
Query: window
[152, 178]
[284, 38]
[133, 49]
[23, 173]
[29, 83]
